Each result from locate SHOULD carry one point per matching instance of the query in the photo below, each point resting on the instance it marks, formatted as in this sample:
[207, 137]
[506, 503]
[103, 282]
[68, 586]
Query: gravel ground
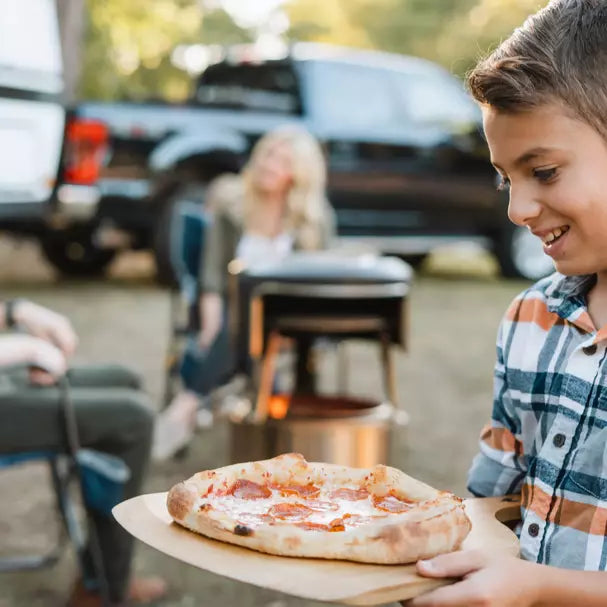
[444, 382]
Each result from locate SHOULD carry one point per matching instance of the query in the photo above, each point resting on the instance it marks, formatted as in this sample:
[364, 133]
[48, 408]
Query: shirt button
[534, 530]
[559, 440]
[590, 350]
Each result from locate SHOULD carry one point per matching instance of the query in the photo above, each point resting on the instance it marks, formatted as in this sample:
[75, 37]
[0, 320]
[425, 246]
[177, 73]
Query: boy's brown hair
[558, 55]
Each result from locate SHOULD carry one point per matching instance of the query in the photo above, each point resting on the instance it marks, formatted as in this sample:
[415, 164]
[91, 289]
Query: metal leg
[172, 355]
[342, 368]
[266, 379]
[39, 561]
[304, 378]
[61, 478]
[388, 369]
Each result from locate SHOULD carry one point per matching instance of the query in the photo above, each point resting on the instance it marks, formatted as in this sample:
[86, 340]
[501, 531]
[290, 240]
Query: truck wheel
[520, 254]
[415, 261]
[73, 252]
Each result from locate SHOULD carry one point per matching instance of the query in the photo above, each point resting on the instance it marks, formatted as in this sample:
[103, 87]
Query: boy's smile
[555, 167]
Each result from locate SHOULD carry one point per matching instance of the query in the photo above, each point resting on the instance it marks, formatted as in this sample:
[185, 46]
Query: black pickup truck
[408, 165]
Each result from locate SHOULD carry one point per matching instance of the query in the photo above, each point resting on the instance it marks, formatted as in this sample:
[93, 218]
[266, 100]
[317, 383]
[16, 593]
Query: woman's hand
[487, 581]
[48, 362]
[46, 324]
[211, 319]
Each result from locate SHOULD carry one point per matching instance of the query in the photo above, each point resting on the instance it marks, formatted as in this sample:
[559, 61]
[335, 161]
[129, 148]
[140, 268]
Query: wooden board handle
[506, 509]
[486, 513]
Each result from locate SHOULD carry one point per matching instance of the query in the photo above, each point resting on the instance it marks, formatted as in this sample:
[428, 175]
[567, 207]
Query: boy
[543, 94]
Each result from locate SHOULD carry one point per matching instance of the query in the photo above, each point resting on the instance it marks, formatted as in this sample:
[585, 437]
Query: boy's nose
[523, 209]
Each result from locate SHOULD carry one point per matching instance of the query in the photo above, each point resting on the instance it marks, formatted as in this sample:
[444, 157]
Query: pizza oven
[294, 305]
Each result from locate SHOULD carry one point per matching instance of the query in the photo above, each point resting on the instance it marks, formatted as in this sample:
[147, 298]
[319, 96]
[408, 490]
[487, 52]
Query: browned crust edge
[180, 501]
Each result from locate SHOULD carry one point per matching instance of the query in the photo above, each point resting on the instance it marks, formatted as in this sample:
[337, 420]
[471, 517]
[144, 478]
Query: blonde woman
[276, 205]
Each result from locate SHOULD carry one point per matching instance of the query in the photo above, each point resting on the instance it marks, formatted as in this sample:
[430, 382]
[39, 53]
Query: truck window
[435, 98]
[267, 87]
[354, 96]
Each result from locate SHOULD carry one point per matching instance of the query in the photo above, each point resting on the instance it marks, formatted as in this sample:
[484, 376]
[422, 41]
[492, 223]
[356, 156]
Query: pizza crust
[439, 524]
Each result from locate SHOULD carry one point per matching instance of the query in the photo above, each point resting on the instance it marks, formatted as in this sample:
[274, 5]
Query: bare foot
[175, 426]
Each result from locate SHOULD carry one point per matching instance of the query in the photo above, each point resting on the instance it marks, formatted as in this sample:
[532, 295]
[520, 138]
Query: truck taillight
[85, 150]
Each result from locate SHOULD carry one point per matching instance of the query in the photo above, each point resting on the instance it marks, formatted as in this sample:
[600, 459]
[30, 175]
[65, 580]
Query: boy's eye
[545, 175]
[503, 183]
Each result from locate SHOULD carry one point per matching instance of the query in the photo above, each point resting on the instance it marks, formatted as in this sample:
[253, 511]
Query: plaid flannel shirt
[548, 435]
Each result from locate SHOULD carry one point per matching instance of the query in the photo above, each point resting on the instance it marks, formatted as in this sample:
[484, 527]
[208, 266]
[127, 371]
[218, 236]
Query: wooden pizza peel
[147, 518]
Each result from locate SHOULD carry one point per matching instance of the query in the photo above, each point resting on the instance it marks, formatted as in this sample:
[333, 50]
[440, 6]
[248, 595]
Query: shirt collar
[566, 296]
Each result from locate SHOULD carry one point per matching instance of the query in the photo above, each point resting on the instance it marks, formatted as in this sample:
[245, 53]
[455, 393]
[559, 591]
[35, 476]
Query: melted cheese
[324, 509]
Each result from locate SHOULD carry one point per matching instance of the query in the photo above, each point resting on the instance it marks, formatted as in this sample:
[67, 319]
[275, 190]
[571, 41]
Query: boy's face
[556, 169]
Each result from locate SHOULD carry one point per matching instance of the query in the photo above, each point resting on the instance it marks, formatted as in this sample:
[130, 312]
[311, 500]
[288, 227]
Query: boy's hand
[46, 324]
[488, 581]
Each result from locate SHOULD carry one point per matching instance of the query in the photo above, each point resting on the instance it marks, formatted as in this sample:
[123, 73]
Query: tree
[129, 45]
[480, 29]
[452, 32]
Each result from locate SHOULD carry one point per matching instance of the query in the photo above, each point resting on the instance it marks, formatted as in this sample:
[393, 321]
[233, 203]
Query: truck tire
[73, 252]
[415, 261]
[520, 254]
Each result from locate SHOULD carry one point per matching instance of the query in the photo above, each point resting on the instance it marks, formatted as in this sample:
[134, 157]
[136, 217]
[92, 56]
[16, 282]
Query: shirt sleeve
[500, 466]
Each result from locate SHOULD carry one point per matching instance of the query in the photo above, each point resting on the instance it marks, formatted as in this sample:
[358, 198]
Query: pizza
[289, 507]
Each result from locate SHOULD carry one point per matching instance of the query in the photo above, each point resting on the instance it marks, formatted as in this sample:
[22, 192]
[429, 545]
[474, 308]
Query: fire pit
[298, 301]
[323, 428]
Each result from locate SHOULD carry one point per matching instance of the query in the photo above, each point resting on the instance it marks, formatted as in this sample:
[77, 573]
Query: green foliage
[452, 32]
[128, 46]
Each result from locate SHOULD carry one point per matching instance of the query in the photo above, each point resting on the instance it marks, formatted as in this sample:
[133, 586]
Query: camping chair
[188, 229]
[100, 477]
[61, 473]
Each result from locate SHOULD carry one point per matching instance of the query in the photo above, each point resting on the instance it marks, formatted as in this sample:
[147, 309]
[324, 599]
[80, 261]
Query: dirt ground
[444, 383]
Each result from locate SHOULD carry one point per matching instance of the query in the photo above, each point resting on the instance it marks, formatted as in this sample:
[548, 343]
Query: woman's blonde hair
[306, 201]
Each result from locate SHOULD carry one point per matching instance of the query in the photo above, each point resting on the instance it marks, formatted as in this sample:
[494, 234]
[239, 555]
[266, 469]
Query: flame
[278, 406]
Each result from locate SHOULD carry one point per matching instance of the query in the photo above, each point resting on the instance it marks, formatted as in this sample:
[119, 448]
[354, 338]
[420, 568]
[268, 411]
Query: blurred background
[161, 96]
[140, 49]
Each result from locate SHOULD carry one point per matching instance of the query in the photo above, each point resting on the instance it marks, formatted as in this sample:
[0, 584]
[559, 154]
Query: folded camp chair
[188, 228]
[100, 477]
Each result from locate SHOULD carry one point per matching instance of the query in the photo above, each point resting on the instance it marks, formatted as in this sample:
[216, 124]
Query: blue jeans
[203, 370]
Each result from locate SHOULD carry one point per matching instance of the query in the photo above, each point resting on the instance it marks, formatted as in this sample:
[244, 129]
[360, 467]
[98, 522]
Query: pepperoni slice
[337, 524]
[290, 511]
[248, 490]
[352, 495]
[305, 491]
[334, 526]
[391, 503]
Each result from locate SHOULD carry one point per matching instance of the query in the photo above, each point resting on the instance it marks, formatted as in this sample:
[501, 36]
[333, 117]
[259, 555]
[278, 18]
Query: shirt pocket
[588, 469]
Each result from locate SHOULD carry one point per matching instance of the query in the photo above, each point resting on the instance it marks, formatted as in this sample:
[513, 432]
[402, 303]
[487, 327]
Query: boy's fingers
[454, 564]
[456, 595]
